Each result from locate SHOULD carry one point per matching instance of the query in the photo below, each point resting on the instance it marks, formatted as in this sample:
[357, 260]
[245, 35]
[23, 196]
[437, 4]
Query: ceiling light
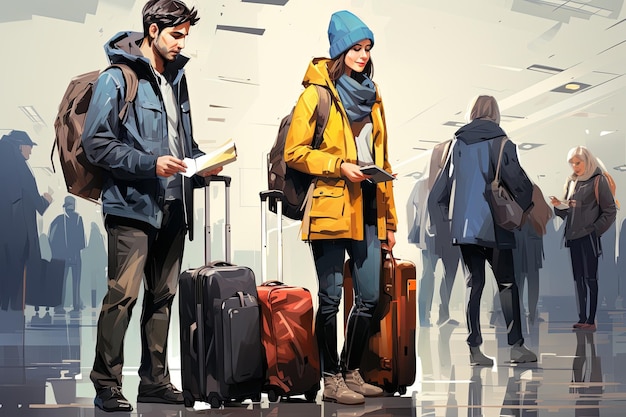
[621, 168]
[544, 68]
[526, 146]
[32, 114]
[241, 29]
[571, 88]
[455, 124]
[270, 2]
[416, 175]
[607, 132]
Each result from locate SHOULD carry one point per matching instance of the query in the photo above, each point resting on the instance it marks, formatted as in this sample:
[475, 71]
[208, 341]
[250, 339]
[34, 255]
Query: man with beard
[146, 203]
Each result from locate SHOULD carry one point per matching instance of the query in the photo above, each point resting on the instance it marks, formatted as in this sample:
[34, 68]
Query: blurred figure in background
[67, 240]
[434, 242]
[20, 202]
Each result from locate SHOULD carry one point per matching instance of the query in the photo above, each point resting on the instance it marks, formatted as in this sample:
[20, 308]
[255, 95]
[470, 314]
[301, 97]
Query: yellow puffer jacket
[337, 207]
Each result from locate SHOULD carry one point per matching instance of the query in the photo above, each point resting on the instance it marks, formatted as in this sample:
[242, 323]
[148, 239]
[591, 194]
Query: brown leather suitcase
[293, 364]
[389, 361]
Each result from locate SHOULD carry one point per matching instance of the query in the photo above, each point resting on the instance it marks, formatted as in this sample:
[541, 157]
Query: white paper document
[224, 154]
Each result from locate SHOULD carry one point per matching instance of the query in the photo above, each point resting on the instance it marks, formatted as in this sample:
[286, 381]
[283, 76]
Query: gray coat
[589, 215]
[471, 167]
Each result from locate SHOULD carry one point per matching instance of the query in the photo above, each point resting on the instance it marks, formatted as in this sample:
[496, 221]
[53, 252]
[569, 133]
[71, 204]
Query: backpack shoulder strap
[596, 188]
[322, 115]
[132, 85]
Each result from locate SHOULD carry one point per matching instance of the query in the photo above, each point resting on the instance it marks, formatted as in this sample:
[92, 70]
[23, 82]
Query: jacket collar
[123, 48]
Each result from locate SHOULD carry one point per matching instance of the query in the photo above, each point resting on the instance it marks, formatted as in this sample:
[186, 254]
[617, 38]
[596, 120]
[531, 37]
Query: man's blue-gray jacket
[128, 150]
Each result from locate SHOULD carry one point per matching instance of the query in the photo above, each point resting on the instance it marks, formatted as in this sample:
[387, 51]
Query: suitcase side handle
[272, 284]
[219, 263]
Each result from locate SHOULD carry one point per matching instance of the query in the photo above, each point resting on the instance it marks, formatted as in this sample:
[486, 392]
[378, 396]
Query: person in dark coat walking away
[459, 195]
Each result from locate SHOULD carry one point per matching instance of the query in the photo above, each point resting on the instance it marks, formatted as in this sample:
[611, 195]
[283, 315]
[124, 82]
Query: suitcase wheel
[273, 396]
[256, 398]
[311, 394]
[402, 390]
[189, 399]
[214, 401]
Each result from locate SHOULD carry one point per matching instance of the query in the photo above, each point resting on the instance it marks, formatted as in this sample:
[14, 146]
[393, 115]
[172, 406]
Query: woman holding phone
[588, 208]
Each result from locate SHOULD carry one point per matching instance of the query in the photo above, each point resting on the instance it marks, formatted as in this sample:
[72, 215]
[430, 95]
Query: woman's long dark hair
[337, 67]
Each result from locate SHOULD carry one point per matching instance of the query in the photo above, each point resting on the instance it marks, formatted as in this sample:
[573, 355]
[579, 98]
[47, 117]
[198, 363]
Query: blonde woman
[588, 209]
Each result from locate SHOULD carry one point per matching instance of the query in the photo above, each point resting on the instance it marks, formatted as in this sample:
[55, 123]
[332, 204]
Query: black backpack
[293, 183]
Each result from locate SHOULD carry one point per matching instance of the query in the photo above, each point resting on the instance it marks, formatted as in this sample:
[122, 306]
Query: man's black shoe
[167, 394]
[111, 399]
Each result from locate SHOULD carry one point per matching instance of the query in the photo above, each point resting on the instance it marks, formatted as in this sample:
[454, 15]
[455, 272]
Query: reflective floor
[45, 371]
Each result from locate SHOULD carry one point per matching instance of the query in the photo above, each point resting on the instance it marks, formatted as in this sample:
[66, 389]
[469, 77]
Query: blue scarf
[357, 97]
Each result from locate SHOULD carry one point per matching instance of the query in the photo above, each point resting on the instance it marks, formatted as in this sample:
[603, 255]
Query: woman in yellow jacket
[347, 213]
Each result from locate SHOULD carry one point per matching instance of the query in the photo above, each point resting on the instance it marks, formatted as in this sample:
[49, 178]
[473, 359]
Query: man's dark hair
[167, 13]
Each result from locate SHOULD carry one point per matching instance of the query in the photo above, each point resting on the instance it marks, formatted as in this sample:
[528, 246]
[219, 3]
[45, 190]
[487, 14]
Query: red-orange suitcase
[293, 365]
[389, 361]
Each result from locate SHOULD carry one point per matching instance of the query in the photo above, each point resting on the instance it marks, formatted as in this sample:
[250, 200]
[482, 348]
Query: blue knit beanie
[345, 30]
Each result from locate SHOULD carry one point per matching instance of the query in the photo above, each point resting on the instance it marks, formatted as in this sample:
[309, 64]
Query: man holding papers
[148, 207]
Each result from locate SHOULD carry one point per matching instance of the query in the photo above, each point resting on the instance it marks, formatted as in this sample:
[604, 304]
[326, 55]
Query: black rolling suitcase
[220, 334]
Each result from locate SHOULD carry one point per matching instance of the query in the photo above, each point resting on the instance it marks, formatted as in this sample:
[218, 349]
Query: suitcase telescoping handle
[207, 222]
[278, 196]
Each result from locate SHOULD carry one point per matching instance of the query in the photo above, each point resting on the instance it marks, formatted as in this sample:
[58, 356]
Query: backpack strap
[132, 85]
[596, 185]
[322, 115]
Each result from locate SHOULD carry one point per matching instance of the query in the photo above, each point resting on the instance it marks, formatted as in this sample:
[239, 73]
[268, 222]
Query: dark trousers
[584, 256]
[139, 253]
[501, 262]
[365, 262]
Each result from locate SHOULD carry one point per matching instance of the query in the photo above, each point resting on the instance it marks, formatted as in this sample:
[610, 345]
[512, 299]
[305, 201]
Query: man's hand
[213, 172]
[167, 165]
[352, 172]
[48, 197]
